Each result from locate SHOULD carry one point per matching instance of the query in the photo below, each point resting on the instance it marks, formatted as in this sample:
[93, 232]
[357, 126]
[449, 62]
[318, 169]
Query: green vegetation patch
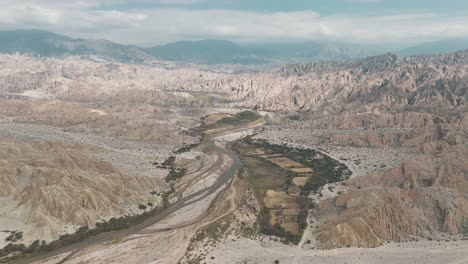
[39, 247]
[326, 169]
[263, 175]
[14, 236]
[175, 173]
[465, 228]
[240, 119]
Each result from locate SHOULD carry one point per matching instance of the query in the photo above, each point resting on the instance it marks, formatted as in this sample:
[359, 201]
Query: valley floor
[173, 240]
[252, 252]
[86, 144]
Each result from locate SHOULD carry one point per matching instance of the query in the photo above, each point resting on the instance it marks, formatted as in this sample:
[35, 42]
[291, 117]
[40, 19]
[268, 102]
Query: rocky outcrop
[377, 85]
[104, 83]
[422, 198]
[387, 82]
[56, 184]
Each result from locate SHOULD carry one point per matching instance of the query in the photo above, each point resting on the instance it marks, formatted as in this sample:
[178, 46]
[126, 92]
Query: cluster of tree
[169, 161]
[465, 228]
[15, 236]
[305, 205]
[186, 148]
[175, 173]
[277, 230]
[82, 233]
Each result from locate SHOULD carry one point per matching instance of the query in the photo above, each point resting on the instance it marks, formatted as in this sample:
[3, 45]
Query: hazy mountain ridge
[205, 52]
[210, 52]
[442, 46]
[226, 52]
[47, 44]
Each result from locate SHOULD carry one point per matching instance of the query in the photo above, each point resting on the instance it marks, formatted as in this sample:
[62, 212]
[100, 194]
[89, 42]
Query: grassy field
[230, 122]
[261, 174]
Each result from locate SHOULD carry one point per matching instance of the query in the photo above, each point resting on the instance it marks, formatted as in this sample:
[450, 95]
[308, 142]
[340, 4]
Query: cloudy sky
[151, 22]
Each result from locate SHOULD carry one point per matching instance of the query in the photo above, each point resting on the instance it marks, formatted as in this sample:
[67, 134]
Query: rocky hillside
[422, 198]
[47, 187]
[385, 83]
[80, 140]
[81, 80]
[415, 104]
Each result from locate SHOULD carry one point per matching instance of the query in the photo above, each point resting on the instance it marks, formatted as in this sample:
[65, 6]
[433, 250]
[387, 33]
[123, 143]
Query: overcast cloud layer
[158, 23]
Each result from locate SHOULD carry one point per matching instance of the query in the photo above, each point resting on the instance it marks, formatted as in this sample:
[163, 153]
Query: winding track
[222, 180]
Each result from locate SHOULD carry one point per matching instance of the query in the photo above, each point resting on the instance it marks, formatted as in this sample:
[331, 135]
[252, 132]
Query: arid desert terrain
[362, 161]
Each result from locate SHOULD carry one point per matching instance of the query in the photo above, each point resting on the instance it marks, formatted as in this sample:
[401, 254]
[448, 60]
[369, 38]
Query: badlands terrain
[364, 161]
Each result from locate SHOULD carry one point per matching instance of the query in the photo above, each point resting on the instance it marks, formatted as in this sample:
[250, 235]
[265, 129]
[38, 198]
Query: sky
[154, 22]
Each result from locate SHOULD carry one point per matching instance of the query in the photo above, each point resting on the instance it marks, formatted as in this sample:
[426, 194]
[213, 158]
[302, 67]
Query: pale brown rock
[420, 198]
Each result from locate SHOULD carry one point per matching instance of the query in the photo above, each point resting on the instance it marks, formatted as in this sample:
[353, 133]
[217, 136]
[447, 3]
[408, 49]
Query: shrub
[465, 227]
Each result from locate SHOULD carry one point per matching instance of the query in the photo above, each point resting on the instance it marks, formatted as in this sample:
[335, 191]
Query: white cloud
[152, 26]
[96, 3]
[67, 19]
[176, 24]
[30, 14]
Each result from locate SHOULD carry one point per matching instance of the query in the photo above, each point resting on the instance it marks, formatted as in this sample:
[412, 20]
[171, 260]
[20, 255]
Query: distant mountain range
[206, 52]
[436, 47]
[226, 52]
[44, 43]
